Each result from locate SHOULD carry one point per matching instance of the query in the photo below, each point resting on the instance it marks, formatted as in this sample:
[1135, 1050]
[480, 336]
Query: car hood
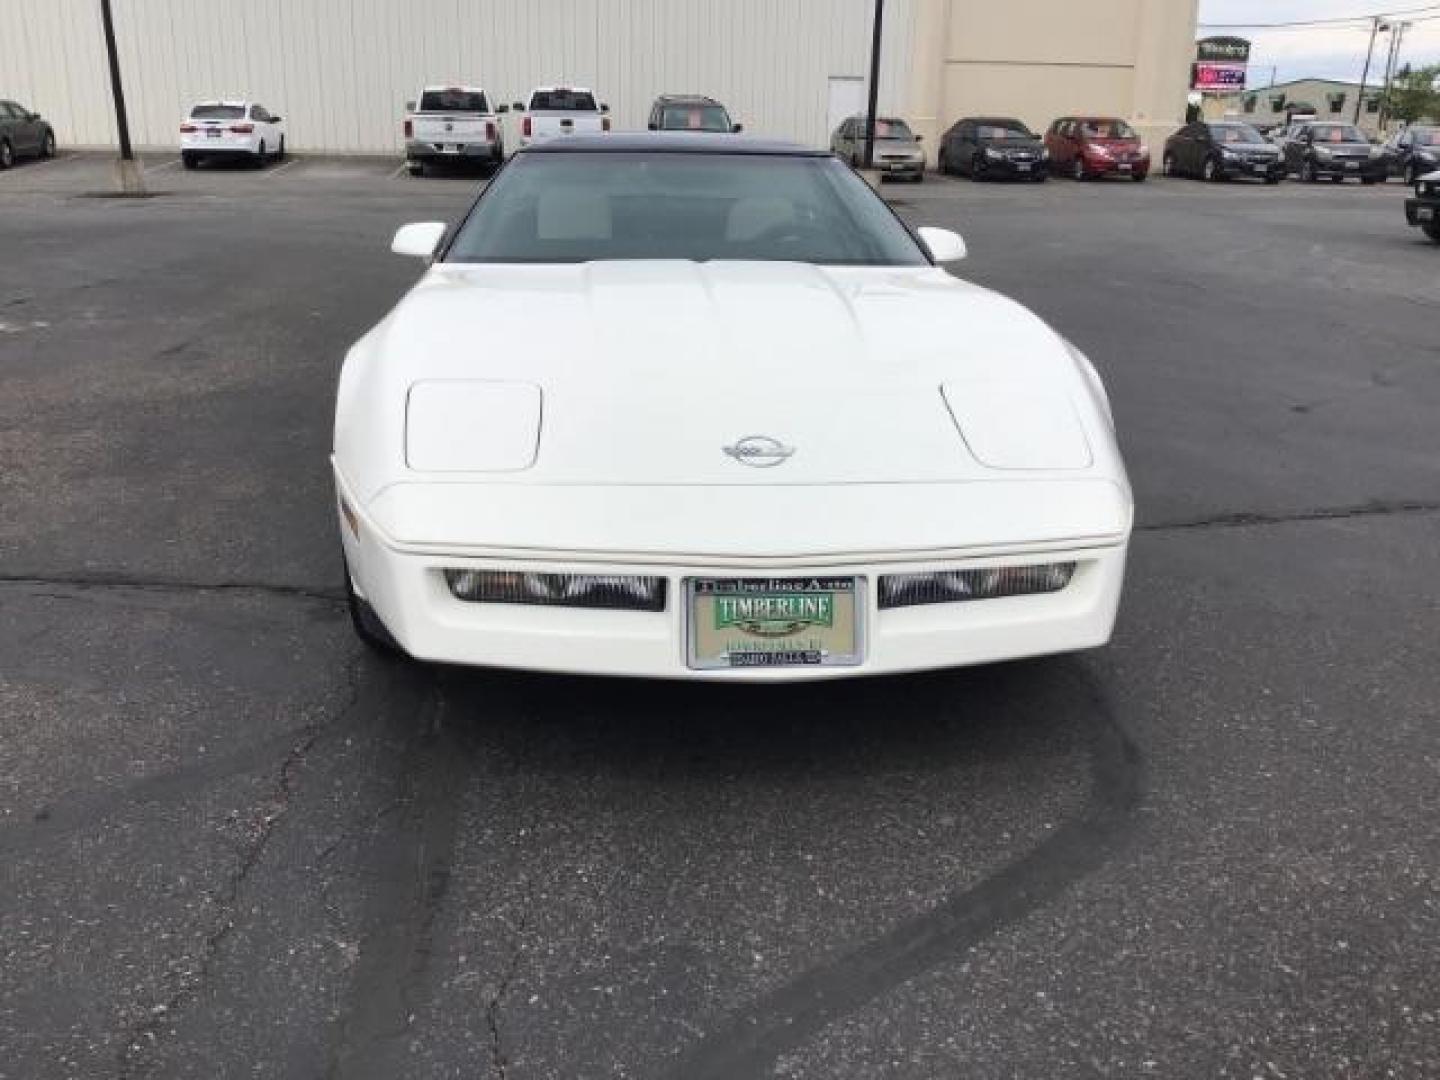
[1367, 147]
[1012, 144]
[629, 373]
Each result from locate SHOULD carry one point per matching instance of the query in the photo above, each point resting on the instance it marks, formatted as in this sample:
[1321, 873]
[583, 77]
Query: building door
[847, 98]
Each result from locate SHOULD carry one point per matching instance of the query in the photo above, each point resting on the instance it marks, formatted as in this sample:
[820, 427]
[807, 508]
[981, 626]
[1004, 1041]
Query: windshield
[891, 129]
[694, 118]
[581, 207]
[993, 129]
[1235, 133]
[218, 112]
[454, 101]
[1426, 136]
[1336, 133]
[1106, 129]
[562, 101]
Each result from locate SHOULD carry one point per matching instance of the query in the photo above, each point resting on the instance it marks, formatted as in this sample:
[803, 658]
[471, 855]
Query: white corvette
[703, 407]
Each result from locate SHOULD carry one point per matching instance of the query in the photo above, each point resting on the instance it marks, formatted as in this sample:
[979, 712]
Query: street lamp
[128, 169]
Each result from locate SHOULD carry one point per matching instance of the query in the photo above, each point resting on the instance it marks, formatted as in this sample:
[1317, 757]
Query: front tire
[977, 169]
[1167, 165]
[1432, 230]
[415, 168]
[942, 164]
[47, 146]
[1077, 171]
[1139, 177]
[189, 160]
[258, 162]
[1211, 171]
[1308, 175]
[280, 150]
[7, 155]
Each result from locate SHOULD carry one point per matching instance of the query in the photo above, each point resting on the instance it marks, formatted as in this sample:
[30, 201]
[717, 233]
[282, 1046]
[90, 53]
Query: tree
[1414, 94]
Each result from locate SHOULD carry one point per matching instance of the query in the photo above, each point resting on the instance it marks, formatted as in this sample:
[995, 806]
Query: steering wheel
[792, 234]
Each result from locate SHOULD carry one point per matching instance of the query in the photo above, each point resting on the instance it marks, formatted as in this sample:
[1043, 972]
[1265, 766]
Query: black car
[1222, 151]
[23, 132]
[986, 148]
[1337, 151]
[1423, 211]
[1414, 151]
[690, 112]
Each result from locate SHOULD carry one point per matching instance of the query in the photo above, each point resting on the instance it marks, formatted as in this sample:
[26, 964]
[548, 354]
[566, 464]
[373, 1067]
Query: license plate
[1022, 167]
[896, 168]
[449, 148]
[1352, 165]
[774, 622]
[1123, 168]
[213, 133]
[1424, 213]
[1262, 168]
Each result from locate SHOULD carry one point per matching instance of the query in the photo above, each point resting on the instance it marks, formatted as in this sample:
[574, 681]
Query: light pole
[131, 182]
[874, 85]
[1396, 39]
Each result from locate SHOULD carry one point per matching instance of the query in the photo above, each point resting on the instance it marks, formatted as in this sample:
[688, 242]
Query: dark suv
[690, 112]
[1414, 151]
[985, 148]
[1337, 151]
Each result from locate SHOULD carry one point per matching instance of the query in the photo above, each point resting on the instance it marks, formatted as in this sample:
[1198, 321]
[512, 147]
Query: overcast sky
[1334, 52]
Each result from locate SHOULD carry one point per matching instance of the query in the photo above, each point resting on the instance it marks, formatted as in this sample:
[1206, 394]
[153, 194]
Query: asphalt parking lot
[235, 844]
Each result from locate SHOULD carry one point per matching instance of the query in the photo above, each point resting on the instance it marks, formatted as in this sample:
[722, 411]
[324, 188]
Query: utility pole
[131, 182]
[1396, 39]
[1374, 29]
[874, 85]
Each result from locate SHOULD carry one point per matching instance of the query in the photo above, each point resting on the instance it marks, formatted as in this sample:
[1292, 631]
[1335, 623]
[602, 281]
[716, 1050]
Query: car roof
[686, 99]
[672, 142]
[566, 89]
[882, 119]
[464, 89]
[234, 102]
[994, 120]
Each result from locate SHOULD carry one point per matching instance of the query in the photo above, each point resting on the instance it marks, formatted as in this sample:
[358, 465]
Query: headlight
[1322, 151]
[993, 155]
[1225, 151]
[1375, 152]
[1098, 150]
[1044, 153]
[1144, 150]
[620, 591]
[948, 586]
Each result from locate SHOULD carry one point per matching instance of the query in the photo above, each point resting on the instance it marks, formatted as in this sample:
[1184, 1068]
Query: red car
[1088, 147]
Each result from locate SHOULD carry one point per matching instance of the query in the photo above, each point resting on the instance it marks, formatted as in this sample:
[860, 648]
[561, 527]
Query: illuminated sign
[1223, 50]
[1217, 77]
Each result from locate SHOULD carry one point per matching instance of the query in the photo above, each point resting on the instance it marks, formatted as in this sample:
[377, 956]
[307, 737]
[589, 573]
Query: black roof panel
[671, 142]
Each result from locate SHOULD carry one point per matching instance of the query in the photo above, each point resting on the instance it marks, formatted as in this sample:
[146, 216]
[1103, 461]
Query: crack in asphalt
[499, 1061]
[751, 1040]
[1245, 518]
[141, 583]
[413, 861]
[145, 1032]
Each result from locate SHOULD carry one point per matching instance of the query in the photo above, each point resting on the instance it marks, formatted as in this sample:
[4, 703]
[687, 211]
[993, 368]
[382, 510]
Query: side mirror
[518, 107]
[409, 106]
[737, 128]
[919, 138]
[654, 126]
[35, 116]
[419, 238]
[502, 109]
[276, 119]
[944, 246]
[604, 107]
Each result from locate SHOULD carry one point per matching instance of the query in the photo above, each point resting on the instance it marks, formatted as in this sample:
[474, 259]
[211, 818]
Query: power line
[1301, 23]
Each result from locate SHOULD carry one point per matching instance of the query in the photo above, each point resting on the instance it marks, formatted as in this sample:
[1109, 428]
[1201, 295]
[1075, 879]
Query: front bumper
[405, 585]
[1420, 212]
[1016, 170]
[227, 144]
[1373, 169]
[1097, 166]
[486, 149]
[900, 168]
[1260, 170]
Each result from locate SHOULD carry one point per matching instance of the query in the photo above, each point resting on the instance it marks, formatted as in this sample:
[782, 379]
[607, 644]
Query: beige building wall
[1040, 59]
[340, 71]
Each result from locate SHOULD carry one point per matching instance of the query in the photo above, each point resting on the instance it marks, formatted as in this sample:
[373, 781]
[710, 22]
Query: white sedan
[235, 130]
[703, 407]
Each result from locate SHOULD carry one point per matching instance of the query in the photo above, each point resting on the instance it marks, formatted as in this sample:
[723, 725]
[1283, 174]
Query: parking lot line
[282, 167]
[398, 171]
[165, 165]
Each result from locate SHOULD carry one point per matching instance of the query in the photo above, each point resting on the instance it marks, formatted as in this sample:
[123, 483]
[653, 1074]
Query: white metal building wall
[339, 71]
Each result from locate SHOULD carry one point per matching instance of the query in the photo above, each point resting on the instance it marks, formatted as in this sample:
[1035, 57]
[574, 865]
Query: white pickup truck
[561, 110]
[448, 123]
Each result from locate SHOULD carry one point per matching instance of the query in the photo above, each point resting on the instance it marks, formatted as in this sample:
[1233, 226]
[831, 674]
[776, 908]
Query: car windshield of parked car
[896, 130]
[217, 112]
[1107, 129]
[583, 207]
[694, 118]
[1235, 133]
[992, 130]
[442, 101]
[1336, 133]
[562, 101]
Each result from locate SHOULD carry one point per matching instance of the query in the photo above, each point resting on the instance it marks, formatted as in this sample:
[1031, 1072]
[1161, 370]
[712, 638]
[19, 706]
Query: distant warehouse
[340, 71]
